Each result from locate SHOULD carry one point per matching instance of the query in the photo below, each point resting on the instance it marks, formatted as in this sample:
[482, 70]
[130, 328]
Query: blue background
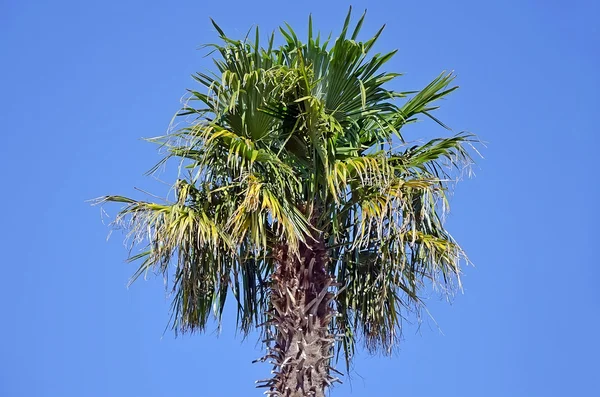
[82, 81]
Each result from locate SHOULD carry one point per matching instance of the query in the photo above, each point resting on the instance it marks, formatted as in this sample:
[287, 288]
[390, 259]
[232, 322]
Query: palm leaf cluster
[292, 142]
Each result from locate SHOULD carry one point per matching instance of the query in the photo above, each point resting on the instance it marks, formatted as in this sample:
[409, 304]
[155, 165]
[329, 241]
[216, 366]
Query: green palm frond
[190, 237]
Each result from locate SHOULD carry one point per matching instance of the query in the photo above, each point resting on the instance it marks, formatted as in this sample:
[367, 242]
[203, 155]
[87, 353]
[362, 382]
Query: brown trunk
[300, 315]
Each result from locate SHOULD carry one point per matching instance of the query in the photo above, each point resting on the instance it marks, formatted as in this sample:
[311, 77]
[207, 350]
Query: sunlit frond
[191, 239]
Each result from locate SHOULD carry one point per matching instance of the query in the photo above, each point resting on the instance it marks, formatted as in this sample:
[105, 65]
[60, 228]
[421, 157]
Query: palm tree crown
[290, 147]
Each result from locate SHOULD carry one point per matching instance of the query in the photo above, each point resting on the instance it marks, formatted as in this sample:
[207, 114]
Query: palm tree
[303, 200]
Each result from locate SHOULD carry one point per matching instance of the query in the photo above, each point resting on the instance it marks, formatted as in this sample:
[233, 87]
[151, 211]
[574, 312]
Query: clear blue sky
[82, 81]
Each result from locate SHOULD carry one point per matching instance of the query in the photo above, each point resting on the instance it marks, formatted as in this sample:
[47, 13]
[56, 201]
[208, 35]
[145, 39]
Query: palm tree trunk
[300, 315]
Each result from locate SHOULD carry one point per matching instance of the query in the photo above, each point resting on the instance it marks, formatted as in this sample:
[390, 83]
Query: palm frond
[194, 240]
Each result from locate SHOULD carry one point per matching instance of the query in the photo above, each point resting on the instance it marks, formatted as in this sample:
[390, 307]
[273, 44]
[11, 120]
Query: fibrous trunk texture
[301, 345]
